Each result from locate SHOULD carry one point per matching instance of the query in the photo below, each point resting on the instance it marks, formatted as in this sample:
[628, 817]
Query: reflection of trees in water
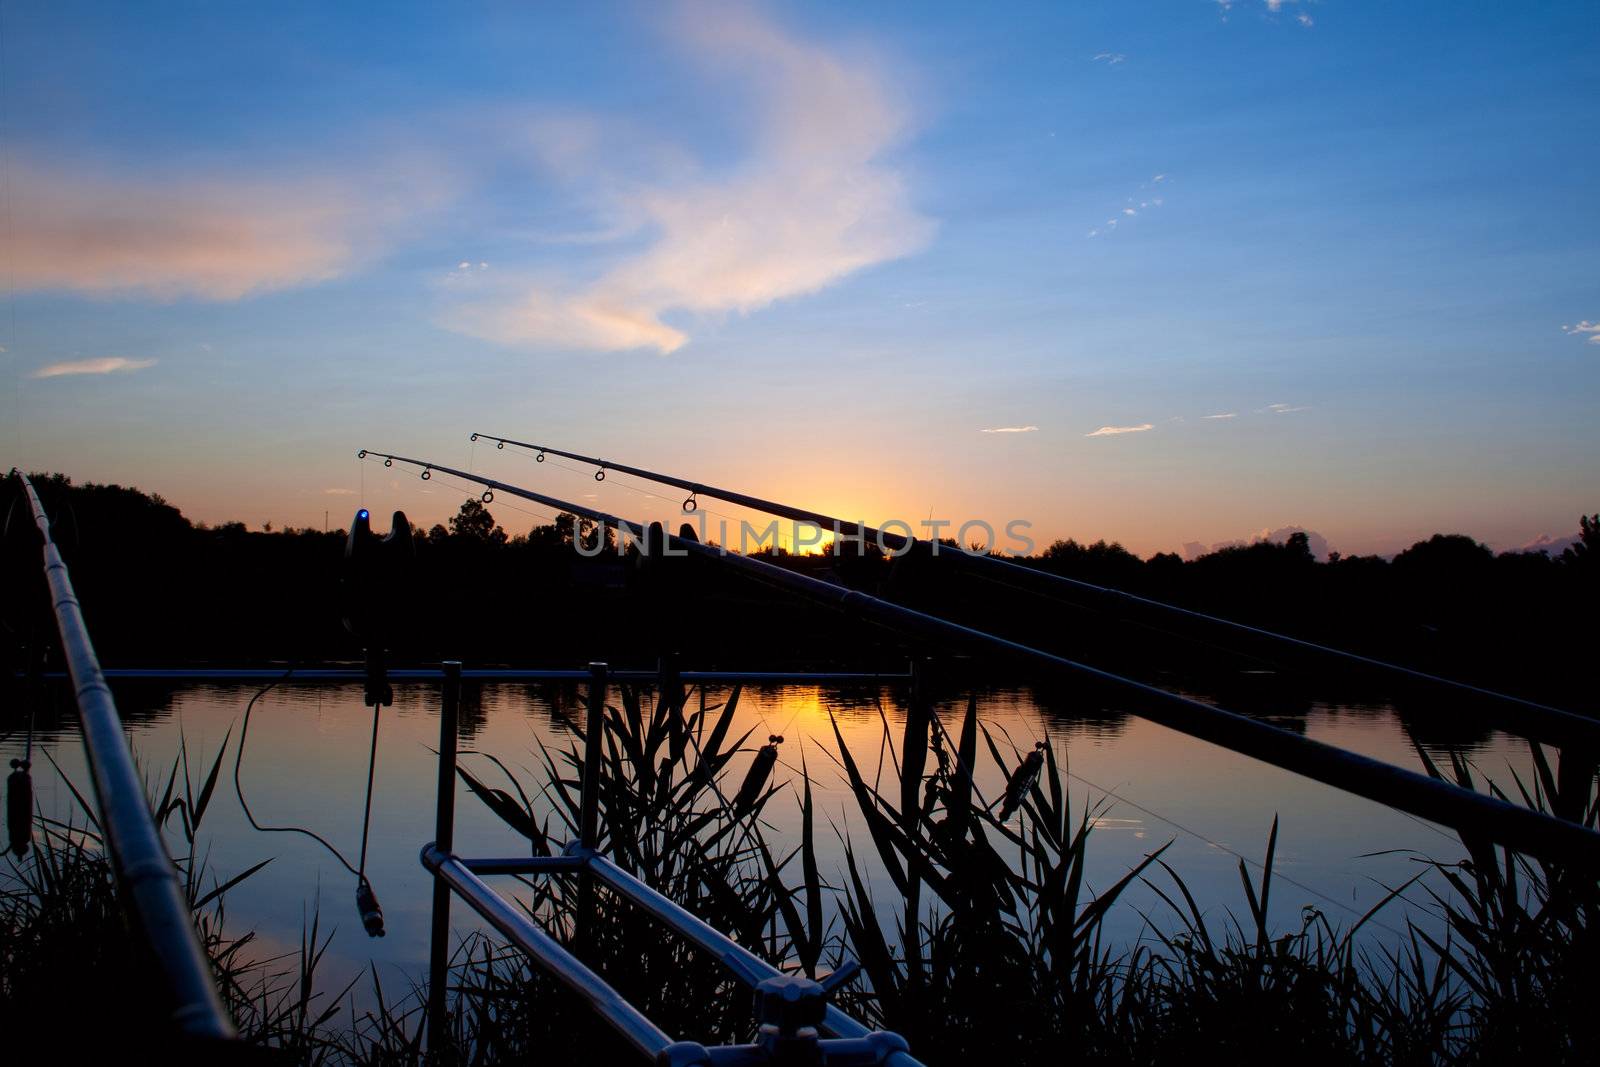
[470, 713]
[1282, 699]
[1438, 726]
[1266, 695]
[851, 702]
[56, 711]
[1363, 714]
[1077, 714]
[554, 704]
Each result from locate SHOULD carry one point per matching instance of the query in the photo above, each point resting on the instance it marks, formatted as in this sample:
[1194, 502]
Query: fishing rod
[147, 880]
[1534, 719]
[1471, 813]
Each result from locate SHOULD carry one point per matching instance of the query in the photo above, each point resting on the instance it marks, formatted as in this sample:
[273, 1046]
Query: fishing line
[766, 724]
[479, 493]
[366, 816]
[1236, 855]
[366, 899]
[616, 479]
[238, 788]
[1429, 826]
[972, 776]
[790, 723]
[667, 500]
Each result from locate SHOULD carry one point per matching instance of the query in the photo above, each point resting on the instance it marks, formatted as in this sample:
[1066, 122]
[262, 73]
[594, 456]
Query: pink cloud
[100, 365]
[218, 237]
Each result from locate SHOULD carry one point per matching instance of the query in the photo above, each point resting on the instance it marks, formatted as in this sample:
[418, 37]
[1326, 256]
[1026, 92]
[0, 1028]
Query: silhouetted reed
[970, 916]
[64, 941]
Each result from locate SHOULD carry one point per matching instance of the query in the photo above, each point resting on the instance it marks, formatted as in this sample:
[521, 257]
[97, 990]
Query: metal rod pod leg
[444, 841]
[589, 801]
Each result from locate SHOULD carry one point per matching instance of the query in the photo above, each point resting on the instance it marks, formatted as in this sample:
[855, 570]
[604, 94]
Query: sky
[1175, 274]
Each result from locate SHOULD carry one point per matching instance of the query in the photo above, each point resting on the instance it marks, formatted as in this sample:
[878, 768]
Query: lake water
[306, 765]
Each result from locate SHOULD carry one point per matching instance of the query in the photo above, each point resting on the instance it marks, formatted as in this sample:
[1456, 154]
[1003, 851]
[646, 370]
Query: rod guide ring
[426, 475]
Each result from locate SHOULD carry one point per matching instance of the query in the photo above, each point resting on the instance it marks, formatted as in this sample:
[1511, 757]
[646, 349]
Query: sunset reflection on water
[1144, 785]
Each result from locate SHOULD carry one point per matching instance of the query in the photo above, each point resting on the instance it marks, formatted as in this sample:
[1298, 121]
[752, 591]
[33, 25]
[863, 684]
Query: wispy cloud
[1110, 59]
[216, 236]
[1132, 206]
[1592, 329]
[1110, 431]
[1223, 415]
[812, 202]
[1282, 409]
[1272, 7]
[1275, 7]
[466, 273]
[1011, 429]
[339, 492]
[102, 365]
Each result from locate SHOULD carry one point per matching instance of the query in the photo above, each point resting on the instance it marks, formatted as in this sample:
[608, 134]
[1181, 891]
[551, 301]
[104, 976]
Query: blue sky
[815, 251]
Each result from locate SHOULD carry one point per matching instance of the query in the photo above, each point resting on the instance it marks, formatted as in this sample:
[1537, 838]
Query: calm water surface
[305, 764]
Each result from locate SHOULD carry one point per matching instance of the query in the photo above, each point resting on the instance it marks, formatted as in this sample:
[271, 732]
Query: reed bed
[969, 913]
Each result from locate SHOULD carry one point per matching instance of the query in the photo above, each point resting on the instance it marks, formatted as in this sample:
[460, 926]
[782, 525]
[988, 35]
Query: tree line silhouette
[158, 588]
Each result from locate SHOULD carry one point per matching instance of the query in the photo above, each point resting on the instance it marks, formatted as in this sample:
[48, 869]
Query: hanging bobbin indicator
[370, 910]
[19, 806]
